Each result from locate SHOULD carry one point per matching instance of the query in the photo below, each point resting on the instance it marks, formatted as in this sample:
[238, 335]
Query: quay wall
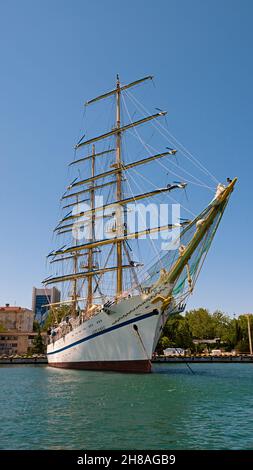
[223, 359]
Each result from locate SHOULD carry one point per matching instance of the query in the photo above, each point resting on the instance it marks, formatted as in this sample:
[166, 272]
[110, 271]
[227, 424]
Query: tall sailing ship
[119, 285]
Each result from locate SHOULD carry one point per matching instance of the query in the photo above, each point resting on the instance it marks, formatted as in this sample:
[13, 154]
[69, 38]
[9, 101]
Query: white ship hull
[120, 338]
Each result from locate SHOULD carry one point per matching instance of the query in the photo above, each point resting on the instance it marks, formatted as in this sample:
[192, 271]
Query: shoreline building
[40, 299]
[16, 330]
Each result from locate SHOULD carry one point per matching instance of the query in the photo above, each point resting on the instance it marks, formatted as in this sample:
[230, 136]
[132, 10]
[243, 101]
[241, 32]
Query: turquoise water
[46, 408]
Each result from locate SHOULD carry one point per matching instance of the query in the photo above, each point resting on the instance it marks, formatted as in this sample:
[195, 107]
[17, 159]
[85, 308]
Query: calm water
[46, 408]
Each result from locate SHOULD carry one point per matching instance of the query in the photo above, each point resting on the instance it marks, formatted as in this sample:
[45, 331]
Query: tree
[242, 345]
[2, 329]
[163, 343]
[184, 337]
[171, 326]
[38, 344]
[221, 324]
[179, 330]
[176, 334]
[200, 323]
[36, 326]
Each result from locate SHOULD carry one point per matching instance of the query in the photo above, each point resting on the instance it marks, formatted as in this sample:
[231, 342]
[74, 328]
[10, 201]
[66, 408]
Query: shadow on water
[169, 370]
[229, 372]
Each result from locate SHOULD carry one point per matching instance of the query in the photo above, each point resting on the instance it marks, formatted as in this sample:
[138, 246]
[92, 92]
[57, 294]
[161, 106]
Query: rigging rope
[184, 150]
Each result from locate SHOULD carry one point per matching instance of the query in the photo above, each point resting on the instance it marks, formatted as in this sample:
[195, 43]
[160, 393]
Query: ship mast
[75, 267]
[92, 233]
[118, 205]
[118, 191]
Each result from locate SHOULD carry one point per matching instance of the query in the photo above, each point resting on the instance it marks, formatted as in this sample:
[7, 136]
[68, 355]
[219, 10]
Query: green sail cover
[181, 289]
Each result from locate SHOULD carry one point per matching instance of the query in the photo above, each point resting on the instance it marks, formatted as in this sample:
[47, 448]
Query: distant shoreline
[42, 359]
[228, 359]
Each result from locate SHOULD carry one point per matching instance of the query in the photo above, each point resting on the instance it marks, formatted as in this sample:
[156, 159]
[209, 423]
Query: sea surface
[172, 408]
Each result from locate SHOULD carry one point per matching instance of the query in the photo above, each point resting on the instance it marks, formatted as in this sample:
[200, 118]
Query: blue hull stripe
[115, 327]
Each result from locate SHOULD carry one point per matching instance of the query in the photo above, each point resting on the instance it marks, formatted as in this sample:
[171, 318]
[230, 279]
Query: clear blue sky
[55, 54]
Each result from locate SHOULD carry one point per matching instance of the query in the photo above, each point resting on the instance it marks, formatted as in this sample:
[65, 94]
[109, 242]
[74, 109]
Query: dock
[240, 358]
[246, 358]
[42, 359]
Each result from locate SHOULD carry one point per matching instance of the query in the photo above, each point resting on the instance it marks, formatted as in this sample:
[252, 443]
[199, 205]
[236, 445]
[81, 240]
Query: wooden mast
[92, 233]
[109, 241]
[128, 166]
[75, 266]
[75, 286]
[122, 129]
[123, 202]
[118, 191]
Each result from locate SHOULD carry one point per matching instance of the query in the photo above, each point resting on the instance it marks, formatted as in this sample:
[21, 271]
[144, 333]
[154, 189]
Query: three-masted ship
[117, 305]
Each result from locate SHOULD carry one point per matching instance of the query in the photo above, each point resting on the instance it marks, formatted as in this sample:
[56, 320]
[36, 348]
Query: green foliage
[177, 334]
[2, 329]
[184, 336]
[56, 315]
[165, 342]
[36, 326]
[180, 331]
[242, 344]
[200, 323]
[38, 344]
